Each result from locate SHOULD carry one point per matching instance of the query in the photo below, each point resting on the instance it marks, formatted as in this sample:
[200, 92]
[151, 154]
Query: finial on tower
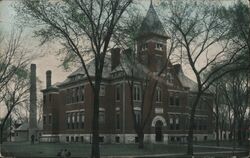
[151, 2]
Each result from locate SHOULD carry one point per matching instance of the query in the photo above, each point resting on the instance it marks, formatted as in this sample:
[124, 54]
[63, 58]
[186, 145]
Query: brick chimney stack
[115, 58]
[33, 102]
[48, 78]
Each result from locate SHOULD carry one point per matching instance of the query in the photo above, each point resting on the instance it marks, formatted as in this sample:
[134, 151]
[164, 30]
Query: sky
[47, 59]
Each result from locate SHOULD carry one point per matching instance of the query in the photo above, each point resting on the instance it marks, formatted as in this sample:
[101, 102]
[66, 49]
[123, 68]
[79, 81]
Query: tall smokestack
[33, 98]
[48, 78]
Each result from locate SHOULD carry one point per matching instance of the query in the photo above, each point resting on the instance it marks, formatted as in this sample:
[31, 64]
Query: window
[171, 101]
[77, 94]
[68, 96]
[102, 117]
[137, 93]
[137, 117]
[158, 94]
[17, 134]
[82, 93]
[174, 100]
[102, 90]
[77, 119]
[77, 139]
[171, 122]
[68, 120]
[144, 46]
[82, 119]
[82, 139]
[50, 119]
[67, 139]
[73, 95]
[177, 125]
[159, 46]
[73, 120]
[177, 101]
[72, 139]
[118, 121]
[118, 93]
[170, 78]
[44, 119]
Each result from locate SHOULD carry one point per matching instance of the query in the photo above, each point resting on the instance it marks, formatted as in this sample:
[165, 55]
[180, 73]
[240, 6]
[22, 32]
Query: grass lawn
[83, 150]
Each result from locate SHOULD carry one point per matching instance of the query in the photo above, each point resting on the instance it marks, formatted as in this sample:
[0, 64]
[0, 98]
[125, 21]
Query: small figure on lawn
[32, 139]
[59, 154]
[67, 154]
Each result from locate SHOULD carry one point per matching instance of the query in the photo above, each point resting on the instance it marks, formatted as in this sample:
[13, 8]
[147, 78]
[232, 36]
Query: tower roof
[152, 24]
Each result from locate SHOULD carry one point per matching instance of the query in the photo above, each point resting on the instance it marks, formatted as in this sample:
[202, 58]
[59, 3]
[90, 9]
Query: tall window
[177, 100]
[171, 122]
[118, 121]
[77, 119]
[158, 94]
[68, 120]
[137, 117]
[73, 120]
[170, 78]
[177, 125]
[118, 93]
[171, 100]
[50, 119]
[137, 93]
[68, 96]
[82, 119]
[82, 93]
[174, 100]
[77, 94]
[102, 117]
[73, 95]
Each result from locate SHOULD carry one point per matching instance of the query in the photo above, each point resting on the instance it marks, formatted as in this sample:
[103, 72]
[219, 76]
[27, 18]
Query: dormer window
[144, 47]
[159, 46]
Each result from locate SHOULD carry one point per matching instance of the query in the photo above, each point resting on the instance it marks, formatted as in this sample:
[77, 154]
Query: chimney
[33, 99]
[115, 58]
[48, 78]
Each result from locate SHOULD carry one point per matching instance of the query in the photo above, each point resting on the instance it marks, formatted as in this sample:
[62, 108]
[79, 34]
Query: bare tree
[199, 29]
[12, 60]
[76, 25]
[236, 96]
[16, 92]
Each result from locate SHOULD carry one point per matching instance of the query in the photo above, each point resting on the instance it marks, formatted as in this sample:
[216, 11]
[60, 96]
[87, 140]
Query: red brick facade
[68, 106]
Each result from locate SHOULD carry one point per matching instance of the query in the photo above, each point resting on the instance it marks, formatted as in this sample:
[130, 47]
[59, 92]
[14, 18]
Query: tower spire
[151, 2]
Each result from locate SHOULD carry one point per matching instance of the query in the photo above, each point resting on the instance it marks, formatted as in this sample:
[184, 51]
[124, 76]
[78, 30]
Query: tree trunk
[190, 149]
[239, 133]
[95, 152]
[217, 131]
[141, 139]
[217, 125]
[1, 135]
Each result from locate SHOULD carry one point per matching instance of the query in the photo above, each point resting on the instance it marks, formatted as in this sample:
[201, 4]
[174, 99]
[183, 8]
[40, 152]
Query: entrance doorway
[158, 131]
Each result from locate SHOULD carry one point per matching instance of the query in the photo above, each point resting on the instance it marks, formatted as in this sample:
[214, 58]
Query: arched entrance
[158, 131]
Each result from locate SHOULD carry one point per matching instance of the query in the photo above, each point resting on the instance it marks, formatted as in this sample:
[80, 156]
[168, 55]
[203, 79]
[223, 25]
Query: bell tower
[151, 41]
